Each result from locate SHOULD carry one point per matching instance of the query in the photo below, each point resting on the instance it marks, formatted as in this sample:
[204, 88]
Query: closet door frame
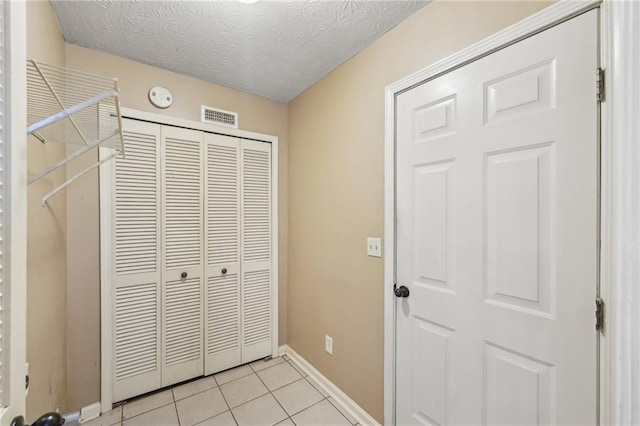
[106, 238]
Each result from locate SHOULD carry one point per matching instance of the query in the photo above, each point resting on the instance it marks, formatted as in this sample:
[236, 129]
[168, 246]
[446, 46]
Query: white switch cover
[374, 247]
[328, 344]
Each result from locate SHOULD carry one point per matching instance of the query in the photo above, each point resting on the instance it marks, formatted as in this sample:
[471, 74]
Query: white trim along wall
[620, 214]
[106, 173]
[16, 214]
[620, 203]
[330, 389]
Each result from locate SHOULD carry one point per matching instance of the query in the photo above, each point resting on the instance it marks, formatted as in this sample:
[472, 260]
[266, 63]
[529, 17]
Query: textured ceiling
[271, 48]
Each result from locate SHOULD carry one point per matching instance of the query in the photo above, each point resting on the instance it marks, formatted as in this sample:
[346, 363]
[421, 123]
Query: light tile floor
[263, 393]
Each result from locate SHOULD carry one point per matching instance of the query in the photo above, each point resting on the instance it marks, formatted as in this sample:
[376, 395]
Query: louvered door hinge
[600, 84]
[599, 315]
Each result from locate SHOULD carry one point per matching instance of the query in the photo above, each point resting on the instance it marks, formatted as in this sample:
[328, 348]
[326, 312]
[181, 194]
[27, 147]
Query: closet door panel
[222, 253]
[256, 250]
[136, 263]
[182, 291]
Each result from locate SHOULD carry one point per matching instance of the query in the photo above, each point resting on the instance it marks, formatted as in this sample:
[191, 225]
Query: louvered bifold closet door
[182, 292]
[222, 253]
[136, 263]
[255, 172]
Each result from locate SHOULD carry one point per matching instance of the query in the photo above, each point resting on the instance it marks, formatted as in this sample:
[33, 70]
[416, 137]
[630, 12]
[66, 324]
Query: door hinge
[600, 84]
[599, 315]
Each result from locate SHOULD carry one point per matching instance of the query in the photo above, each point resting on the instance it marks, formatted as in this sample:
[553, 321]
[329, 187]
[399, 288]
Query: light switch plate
[374, 247]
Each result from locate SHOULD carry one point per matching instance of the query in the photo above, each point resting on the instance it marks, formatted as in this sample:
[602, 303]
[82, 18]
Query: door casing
[546, 18]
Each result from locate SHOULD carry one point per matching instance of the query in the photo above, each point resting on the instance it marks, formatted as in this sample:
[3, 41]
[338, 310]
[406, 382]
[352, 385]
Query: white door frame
[15, 259]
[106, 211]
[619, 383]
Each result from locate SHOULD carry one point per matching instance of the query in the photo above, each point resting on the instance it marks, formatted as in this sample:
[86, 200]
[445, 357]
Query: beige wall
[256, 114]
[336, 192]
[46, 239]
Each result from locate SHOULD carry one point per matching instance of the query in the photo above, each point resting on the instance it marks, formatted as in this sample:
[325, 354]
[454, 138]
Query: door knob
[401, 291]
[224, 270]
[183, 275]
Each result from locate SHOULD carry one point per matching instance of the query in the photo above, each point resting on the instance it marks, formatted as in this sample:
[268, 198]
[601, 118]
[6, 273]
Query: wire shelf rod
[71, 110]
[79, 175]
[71, 157]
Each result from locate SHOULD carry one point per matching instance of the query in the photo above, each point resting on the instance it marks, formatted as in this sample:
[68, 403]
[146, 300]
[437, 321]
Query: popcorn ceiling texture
[274, 49]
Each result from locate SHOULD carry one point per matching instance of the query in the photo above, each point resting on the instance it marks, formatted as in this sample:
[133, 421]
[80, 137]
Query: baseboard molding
[90, 412]
[327, 385]
[283, 350]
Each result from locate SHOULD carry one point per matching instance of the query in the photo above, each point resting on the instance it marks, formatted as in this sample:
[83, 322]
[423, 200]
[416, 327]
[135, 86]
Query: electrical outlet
[374, 247]
[328, 344]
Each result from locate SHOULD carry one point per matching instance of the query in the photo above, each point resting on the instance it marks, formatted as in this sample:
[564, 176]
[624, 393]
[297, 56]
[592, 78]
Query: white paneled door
[182, 277]
[497, 228]
[256, 250]
[222, 248]
[136, 263]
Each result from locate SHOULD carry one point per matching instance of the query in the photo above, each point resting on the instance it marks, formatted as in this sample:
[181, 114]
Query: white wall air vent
[218, 116]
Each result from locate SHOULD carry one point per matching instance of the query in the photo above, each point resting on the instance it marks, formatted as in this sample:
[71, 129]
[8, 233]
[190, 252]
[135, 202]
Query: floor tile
[286, 422]
[107, 419]
[201, 406]
[224, 419]
[163, 416]
[263, 411]
[243, 390]
[297, 396]
[321, 414]
[194, 387]
[279, 375]
[342, 410]
[298, 369]
[260, 364]
[317, 386]
[147, 403]
[233, 374]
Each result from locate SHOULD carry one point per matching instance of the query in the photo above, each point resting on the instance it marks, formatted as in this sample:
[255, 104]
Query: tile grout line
[305, 378]
[324, 398]
[175, 406]
[225, 399]
[340, 411]
[272, 395]
[291, 363]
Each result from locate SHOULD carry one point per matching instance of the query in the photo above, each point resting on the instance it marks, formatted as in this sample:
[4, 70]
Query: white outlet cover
[374, 247]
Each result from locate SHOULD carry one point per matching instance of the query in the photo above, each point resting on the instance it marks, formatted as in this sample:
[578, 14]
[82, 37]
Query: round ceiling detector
[160, 97]
[248, 1]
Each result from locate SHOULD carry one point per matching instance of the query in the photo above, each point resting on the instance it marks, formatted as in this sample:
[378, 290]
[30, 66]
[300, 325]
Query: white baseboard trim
[90, 412]
[340, 397]
[283, 350]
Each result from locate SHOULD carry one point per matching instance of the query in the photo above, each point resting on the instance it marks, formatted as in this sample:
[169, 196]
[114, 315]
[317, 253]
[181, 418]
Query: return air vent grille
[219, 117]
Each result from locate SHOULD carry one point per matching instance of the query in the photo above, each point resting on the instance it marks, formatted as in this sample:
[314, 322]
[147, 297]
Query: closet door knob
[183, 275]
[224, 270]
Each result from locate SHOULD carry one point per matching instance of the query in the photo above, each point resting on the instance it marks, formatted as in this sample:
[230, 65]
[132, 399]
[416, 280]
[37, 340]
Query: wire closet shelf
[76, 108]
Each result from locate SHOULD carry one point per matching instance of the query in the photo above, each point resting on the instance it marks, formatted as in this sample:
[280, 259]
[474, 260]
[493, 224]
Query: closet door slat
[256, 250]
[222, 248]
[182, 243]
[136, 263]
